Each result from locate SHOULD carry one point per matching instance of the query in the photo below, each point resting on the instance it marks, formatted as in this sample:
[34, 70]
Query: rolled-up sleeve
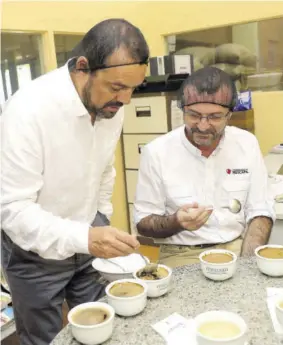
[23, 219]
[150, 196]
[259, 200]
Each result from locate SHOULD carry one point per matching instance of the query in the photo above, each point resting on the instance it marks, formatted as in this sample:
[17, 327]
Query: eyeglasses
[211, 118]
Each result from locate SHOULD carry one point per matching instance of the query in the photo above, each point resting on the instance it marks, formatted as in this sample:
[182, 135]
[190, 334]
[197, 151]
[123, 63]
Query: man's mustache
[196, 130]
[113, 104]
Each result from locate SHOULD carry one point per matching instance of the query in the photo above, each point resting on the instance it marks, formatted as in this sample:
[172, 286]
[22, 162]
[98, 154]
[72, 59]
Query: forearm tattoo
[159, 226]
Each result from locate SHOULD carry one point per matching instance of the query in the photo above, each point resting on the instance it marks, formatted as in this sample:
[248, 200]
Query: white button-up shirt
[57, 169]
[174, 173]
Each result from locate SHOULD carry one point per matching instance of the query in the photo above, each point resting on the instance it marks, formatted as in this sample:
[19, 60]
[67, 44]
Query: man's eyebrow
[121, 85]
[194, 111]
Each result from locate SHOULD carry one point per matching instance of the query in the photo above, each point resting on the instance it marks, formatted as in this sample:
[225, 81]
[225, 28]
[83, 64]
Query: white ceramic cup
[157, 288]
[94, 334]
[270, 267]
[213, 316]
[127, 306]
[279, 309]
[218, 271]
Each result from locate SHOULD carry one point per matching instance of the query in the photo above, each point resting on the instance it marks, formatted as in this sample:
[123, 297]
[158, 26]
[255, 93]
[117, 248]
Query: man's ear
[82, 63]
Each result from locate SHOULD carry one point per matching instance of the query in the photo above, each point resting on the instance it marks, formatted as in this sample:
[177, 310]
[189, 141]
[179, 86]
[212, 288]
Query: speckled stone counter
[192, 294]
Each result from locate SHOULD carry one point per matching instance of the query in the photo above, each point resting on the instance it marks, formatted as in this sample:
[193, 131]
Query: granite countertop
[192, 294]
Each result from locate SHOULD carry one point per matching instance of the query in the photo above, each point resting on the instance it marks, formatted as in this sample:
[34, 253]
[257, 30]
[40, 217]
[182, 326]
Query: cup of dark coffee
[158, 281]
[92, 323]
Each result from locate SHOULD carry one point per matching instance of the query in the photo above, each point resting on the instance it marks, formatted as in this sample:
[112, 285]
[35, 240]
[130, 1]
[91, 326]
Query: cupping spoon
[234, 206]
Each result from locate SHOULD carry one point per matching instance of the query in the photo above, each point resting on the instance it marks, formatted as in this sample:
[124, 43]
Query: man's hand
[192, 217]
[108, 242]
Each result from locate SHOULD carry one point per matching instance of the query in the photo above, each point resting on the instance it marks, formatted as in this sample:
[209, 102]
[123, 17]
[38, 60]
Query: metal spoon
[114, 263]
[234, 206]
[149, 267]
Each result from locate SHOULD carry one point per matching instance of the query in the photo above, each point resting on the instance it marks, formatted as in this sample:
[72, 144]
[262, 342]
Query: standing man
[59, 136]
[203, 163]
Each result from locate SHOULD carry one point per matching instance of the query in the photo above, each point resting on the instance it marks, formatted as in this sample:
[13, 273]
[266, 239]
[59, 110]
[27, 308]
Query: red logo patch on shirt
[237, 171]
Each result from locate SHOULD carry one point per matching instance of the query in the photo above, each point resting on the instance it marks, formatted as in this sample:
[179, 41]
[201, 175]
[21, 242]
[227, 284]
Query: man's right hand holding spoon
[192, 216]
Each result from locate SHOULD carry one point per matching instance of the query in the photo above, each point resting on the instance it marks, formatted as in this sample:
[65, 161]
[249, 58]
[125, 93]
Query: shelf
[161, 83]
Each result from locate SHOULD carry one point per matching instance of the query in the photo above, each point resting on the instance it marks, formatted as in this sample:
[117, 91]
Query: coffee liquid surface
[219, 329]
[126, 289]
[90, 316]
[218, 258]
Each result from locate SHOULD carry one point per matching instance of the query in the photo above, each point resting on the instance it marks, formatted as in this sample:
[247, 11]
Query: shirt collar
[72, 99]
[194, 150]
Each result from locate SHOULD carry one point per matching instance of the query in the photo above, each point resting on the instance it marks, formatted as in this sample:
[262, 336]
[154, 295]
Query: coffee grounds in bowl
[160, 273]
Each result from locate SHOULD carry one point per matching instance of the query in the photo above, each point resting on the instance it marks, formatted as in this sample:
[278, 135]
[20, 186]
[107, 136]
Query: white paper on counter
[272, 295]
[176, 329]
[176, 115]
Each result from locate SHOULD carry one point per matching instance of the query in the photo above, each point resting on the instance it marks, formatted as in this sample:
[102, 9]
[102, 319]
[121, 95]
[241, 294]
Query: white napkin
[176, 329]
[130, 263]
[272, 295]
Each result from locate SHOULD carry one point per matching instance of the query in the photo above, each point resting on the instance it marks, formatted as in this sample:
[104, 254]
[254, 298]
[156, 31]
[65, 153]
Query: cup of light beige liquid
[220, 327]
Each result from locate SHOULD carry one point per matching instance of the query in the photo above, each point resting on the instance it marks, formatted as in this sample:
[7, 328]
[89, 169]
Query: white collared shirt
[174, 173]
[57, 169]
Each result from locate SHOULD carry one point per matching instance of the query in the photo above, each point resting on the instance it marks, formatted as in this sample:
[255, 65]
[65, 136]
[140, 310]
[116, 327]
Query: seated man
[203, 163]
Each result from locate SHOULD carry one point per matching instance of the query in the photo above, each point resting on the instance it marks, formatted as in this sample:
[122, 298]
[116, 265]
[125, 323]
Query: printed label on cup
[162, 286]
[216, 270]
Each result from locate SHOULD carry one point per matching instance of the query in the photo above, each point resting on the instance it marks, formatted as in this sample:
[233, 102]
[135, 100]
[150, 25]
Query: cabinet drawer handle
[143, 111]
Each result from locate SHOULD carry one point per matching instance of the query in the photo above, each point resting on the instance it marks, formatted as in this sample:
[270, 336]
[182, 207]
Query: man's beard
[99, 113]
[212, 135]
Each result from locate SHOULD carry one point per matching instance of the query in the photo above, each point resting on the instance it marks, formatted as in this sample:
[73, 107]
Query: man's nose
[203, 124]
[124, 96]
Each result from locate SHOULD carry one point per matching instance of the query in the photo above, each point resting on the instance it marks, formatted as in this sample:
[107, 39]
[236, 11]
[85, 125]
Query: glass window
[20, 61]
[64, 44]
[251, 53]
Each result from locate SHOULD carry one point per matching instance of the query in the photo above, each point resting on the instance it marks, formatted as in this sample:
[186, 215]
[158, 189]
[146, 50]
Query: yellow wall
[155, 19]
[268, 118]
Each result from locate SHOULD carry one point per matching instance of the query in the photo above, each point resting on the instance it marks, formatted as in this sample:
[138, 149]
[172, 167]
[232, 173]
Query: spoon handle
[114, 263]
[144, 258]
